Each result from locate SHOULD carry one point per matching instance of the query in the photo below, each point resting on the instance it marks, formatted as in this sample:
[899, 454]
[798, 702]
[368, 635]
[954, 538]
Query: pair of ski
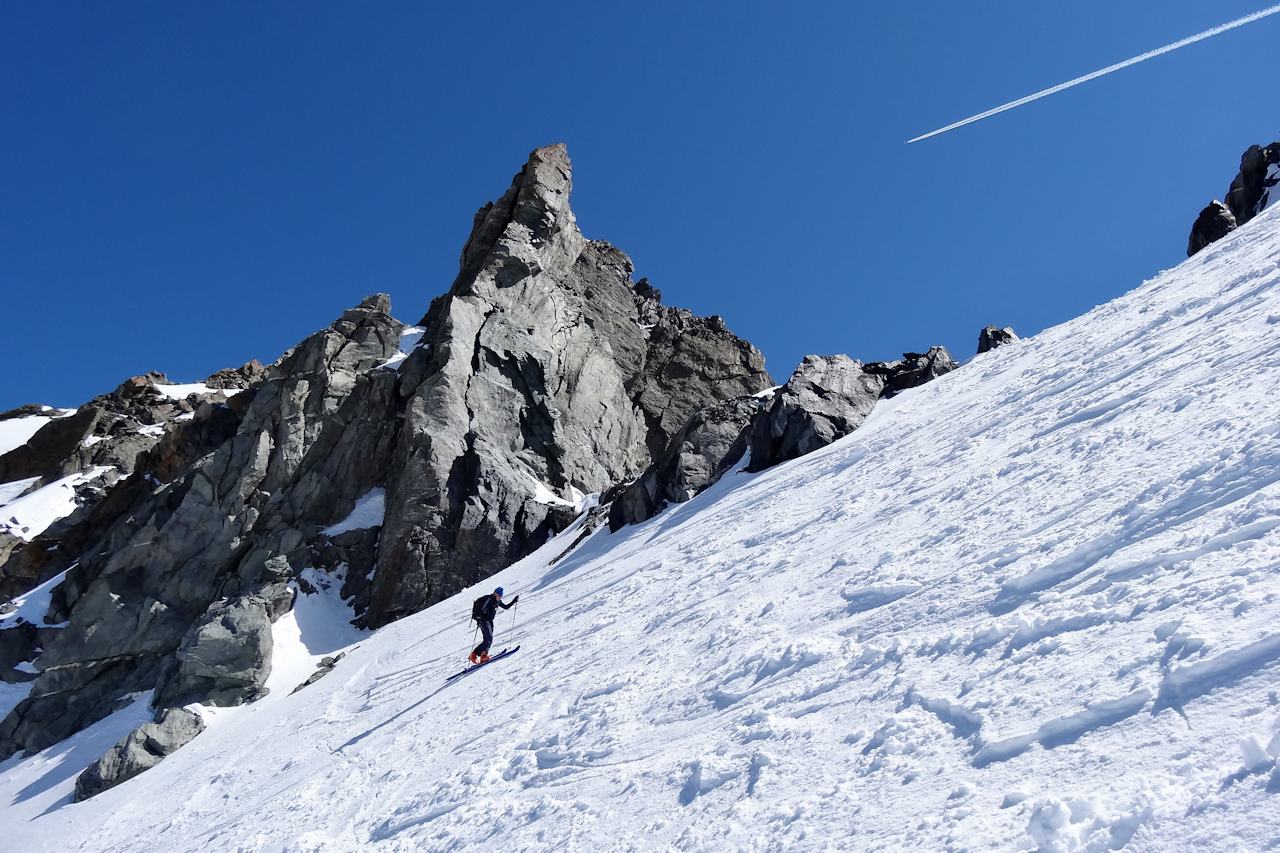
[499, 656]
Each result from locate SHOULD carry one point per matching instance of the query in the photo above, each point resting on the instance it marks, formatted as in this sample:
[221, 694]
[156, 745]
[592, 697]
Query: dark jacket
[488, 608]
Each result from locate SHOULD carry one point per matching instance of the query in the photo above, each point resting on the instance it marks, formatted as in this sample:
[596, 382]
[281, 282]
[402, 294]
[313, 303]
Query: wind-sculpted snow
[1031, 604]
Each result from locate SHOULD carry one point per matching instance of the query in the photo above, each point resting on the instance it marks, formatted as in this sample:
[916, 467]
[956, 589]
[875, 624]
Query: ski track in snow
[1031, 605]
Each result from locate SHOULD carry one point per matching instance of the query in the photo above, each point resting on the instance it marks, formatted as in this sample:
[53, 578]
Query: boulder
[142, 749]
[992, 337]
[826, 398]
[225, 658]
[18, 644]
[1214, 222]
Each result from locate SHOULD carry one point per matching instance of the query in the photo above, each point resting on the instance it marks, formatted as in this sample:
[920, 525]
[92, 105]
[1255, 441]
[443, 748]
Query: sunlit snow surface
[31, 514]
[183, 391]
[1035, 603]
[15, 432]
[368, 512]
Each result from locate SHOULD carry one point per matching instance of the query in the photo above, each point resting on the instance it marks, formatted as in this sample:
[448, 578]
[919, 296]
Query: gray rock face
[1213, 223]
[308, 439]
[912, 370]
[711, 442]
[545, 364]
[225, 658]
[142, 749]
[57, 548]
[992, 337]
[112, 432]
[827, 397]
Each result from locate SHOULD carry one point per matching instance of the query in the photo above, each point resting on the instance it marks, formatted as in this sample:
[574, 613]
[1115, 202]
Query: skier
[483, 609]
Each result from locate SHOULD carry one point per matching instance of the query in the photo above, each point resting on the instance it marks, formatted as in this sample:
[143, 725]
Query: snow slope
[26, 516]
[15, 432]
[1035, 603]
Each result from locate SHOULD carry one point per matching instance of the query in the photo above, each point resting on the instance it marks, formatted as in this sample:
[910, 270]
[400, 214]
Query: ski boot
[484, 658]
[473, 658]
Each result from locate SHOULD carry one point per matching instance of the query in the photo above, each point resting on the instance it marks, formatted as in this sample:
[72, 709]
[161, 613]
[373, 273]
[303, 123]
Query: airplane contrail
[1151, 54]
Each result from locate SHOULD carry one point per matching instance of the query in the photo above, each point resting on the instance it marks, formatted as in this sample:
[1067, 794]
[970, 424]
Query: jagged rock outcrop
[827, 397]
[325, 667]
[1214, 222]
[1255, 187]
[912, 370]
[991, 337]
[238, 378]
[711, 442]
[103, 439]
[142, 749]
[61, 543]
[310, 438]
[544, 365]
[108, 430]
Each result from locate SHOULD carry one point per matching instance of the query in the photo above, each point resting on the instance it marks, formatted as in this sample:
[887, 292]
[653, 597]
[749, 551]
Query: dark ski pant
[486, 628]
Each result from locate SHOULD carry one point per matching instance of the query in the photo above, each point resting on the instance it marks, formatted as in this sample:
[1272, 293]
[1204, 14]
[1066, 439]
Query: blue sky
[186, 186]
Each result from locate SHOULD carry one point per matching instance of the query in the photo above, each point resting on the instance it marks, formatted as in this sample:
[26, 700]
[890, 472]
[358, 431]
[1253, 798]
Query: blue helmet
[498, 592]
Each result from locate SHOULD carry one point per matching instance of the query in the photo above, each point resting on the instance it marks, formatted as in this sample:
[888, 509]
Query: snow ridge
[1030, 605]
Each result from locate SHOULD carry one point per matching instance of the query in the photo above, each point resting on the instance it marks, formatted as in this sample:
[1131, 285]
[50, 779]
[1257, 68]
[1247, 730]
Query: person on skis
[483, 610]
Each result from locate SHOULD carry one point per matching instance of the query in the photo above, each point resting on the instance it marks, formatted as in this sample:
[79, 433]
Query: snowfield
[16, 431]
[1032, 605]
[26, 516]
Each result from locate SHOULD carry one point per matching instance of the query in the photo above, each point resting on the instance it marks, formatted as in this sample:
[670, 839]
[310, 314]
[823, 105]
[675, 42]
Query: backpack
[477, 608]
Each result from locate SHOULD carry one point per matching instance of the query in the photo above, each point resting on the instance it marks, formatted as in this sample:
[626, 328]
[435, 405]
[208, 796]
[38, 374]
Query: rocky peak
[545, 369]
[529, 228]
